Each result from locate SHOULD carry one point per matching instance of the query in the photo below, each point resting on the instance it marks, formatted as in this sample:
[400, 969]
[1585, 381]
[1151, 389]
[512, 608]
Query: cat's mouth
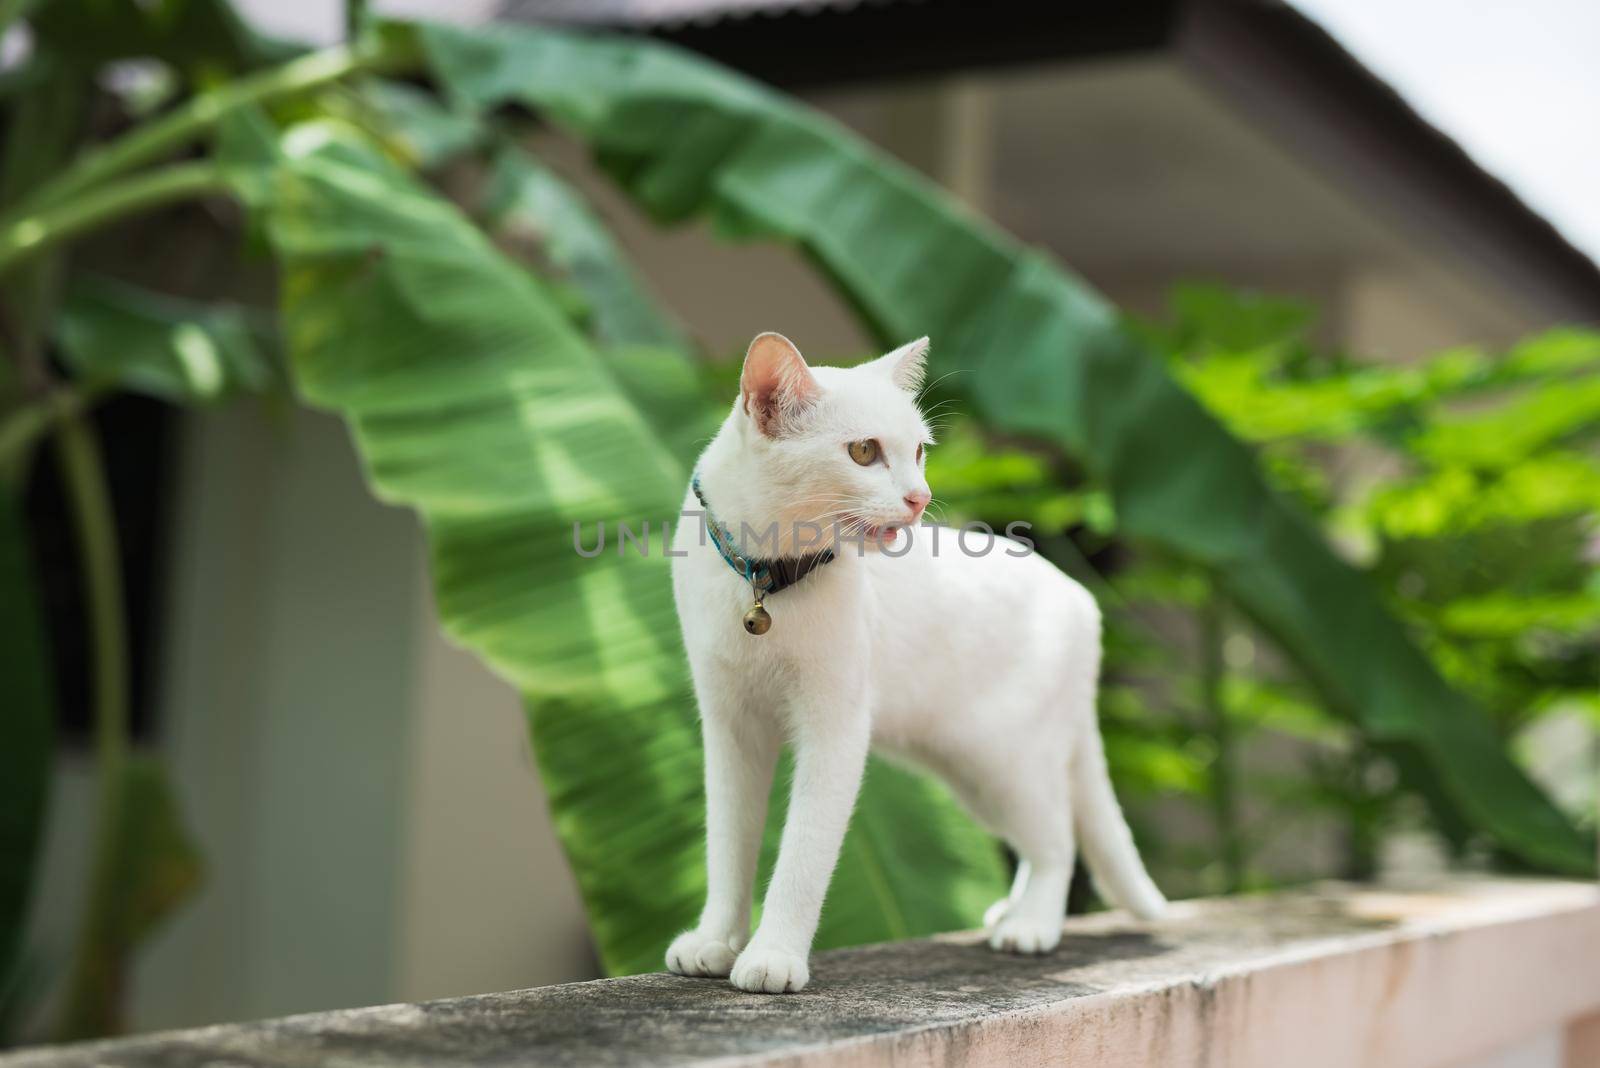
[881, 534]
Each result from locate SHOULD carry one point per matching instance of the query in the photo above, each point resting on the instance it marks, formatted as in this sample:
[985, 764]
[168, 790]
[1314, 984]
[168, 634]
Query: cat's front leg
[741, 750]
[830, 752]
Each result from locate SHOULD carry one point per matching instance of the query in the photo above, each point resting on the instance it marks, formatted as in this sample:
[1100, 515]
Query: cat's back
[973, 625]
[983, 586]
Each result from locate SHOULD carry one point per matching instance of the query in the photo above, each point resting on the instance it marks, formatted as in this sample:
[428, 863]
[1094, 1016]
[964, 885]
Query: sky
[1515, 82]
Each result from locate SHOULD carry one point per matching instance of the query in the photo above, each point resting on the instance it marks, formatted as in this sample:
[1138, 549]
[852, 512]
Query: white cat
[977, 660]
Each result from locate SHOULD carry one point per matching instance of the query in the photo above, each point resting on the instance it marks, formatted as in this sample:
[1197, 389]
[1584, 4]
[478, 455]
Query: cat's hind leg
[996, 912]
[1032, 923]
[1038, 823]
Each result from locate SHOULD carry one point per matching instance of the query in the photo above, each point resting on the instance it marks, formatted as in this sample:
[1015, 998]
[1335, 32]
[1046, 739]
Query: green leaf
[26, 731]
[1454, 500]
[648, 352]
[1239, 372]
[1241, 389]
[411, 120]
[151, 869]
[984, 481]
[526, 199]
[1508, 615]
[668, 390]
[1050, 359]
[1153, 766]
[474, 399]
[114, 334]
[1555, 351]
[1263, 703]
[1211, 317]
[245, 143]
[1512, 432]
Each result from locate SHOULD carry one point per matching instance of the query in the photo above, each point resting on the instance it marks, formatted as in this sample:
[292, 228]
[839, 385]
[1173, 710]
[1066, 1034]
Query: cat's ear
[906, 365]
[776, 384]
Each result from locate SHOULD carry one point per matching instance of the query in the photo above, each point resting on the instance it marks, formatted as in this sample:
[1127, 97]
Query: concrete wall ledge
[1334, 976]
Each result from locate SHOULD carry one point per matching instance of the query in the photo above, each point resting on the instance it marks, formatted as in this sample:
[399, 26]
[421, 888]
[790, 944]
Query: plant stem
[82, 470]
[74, 202]
[184, 124]
[34, 233]
[84, 474]
[1224, 792]
[33, 420]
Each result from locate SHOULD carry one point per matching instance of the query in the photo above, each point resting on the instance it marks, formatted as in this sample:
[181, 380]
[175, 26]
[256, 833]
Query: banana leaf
[647, 350]
[524, 195]
[412, 122]
[1051, 360]
[114, 334]
[151, 869]
[474, 399]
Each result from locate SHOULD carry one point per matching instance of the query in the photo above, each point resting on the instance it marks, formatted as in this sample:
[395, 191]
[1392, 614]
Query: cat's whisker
[925, 390]
[829, 513]
[828, 500]
[823, 521]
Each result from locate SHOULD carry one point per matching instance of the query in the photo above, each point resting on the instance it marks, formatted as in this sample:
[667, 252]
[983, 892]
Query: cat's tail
[1104, 837]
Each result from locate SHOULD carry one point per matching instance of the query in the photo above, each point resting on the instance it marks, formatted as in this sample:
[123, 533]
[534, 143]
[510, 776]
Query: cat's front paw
[1022, 934]
[764, 970]
[698, 953]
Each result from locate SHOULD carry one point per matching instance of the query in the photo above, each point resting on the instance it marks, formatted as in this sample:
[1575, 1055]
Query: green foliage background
[1498, 586]
[506, 373]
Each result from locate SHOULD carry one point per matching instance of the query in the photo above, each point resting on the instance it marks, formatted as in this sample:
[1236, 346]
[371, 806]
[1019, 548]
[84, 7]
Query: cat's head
[842, 449]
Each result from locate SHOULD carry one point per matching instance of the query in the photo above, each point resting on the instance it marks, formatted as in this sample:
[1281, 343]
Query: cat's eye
[919, 452]
[863, 452]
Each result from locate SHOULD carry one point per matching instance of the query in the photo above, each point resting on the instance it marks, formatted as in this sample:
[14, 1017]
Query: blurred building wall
[372, 826]
[285, 719]
[487, 900]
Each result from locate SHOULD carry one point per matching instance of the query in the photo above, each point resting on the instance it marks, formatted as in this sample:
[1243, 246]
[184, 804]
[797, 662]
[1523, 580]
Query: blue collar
[764, 576]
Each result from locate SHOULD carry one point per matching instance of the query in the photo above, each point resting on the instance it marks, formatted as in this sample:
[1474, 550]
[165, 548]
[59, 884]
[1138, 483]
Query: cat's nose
[917, 500]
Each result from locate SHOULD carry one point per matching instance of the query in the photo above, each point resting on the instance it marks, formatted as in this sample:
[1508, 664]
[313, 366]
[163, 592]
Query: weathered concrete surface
[1336, 976]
